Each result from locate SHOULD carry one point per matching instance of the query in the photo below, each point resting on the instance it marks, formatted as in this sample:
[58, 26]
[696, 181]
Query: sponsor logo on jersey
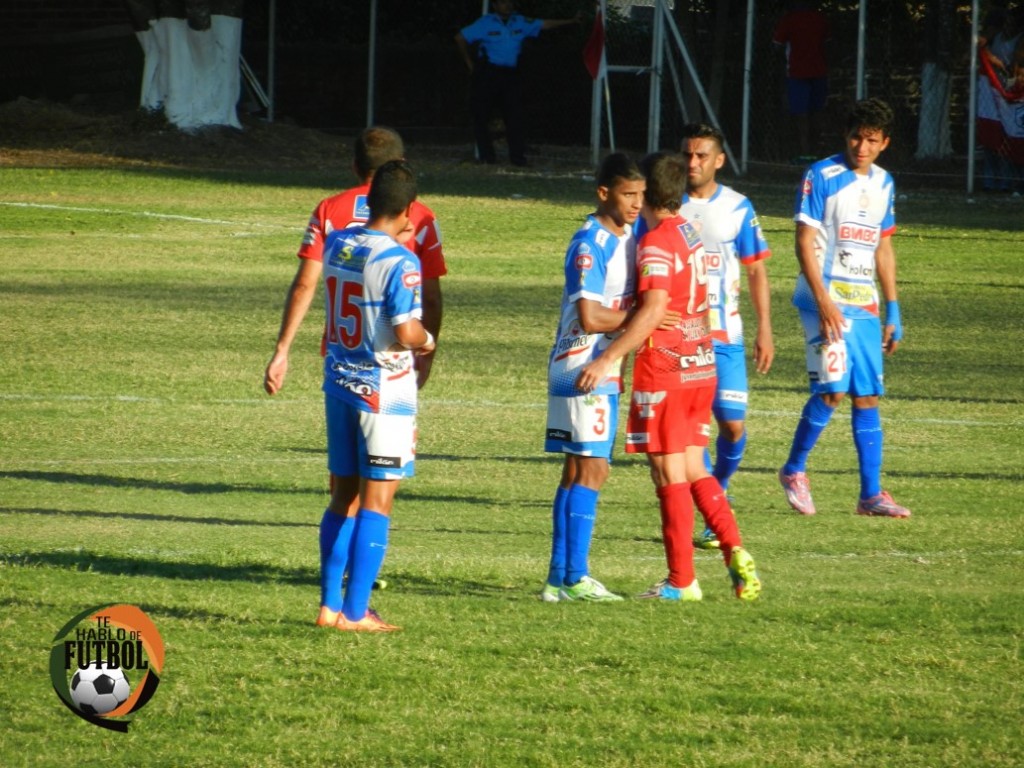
[569, 343]
[690, 234]
[833, 170]
[858, 233]
[384, 461]
[360, 209]
[850, 266]
[559, 434]
[654, 269]
[703, 357]
[637, 438]
[850, 293]
[411, 279]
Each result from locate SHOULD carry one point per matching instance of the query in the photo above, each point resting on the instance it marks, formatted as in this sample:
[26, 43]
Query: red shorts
[669, 422]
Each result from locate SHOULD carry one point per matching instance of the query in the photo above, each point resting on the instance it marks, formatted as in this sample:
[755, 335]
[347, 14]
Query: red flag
[1000, 117]
[593, 51]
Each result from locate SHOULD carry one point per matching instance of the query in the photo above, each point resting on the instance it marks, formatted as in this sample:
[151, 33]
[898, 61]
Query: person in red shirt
[803, 32]
[674, 386]
[374, 147]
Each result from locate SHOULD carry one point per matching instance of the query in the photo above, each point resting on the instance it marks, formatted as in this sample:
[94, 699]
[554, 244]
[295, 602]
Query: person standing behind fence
[803, 31]
[491, 46]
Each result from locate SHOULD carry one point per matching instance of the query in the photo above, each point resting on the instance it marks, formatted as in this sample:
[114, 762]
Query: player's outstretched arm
[296, 305]
[648, 317]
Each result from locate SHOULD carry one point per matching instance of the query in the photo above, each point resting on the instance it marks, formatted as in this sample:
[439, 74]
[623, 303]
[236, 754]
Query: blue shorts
[374, 446]
[852, 365]
[583, 426]
[731, 393]
[806, 94]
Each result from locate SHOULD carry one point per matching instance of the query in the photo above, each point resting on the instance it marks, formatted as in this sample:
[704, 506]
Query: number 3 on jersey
[346, 324]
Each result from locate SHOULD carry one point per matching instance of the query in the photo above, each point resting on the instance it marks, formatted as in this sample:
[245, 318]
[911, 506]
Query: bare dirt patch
[44, 134]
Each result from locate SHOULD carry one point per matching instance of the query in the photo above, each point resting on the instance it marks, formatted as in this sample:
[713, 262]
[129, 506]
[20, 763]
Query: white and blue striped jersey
[371, 285]
[732, 237]
[600, 266]
[852, 214]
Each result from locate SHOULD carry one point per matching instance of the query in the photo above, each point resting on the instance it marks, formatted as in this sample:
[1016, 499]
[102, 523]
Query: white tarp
[192, 76]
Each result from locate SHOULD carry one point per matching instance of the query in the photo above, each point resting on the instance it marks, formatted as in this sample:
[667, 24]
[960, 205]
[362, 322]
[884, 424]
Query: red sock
[677, 532]
[710, 500]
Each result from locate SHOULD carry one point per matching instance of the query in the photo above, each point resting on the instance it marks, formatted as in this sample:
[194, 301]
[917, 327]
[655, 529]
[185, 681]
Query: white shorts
[375, 446]
[584, 425]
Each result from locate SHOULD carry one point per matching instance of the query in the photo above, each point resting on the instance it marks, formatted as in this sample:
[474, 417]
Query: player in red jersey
[674, 386]
[374, 147]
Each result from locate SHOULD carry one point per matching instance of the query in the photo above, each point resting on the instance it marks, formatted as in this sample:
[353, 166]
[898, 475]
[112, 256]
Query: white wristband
[430, 339]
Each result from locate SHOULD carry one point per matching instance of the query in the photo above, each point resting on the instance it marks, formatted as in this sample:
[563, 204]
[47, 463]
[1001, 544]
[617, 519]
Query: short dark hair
[618, 165]
[666, 180]
[374, 147]
[703, 131]
[392, 190]
[870, 113]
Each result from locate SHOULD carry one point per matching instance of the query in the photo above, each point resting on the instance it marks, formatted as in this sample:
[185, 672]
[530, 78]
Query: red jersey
[804, 32]
[671, 257]
[349, 207]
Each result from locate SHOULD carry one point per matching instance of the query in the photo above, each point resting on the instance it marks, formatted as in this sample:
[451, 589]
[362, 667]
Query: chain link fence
[715, 36]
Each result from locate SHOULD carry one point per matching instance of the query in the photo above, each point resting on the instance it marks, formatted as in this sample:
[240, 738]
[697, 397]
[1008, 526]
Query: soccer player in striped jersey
[373, 147]
[844, 227]
[373, 308]
[674, 386]
[734, 244]
[599, 272]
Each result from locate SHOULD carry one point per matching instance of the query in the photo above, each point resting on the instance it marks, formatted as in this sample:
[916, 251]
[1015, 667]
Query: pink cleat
[798, 492]
[881, 505]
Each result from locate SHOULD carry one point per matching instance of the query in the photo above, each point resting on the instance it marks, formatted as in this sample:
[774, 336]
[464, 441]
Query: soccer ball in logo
[99, 688]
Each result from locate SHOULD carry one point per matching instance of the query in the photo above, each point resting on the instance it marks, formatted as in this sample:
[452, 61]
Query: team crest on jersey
[360, 208]
[807, 185]
[411, 279]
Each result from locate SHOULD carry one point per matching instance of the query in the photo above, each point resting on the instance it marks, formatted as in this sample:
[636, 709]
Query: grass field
[140, 462]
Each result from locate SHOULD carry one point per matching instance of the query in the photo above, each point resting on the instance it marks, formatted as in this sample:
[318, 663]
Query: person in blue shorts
[372, 288]
[734, 244]
[599, 272]
[844, 227]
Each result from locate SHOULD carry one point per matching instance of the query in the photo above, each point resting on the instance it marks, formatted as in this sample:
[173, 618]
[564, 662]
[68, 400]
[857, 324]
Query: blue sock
[707, 460]
[335, 535]
[867, 436]
[813, 420]
[728, 456]
[369, 545]
[559, 537]
[582, 511]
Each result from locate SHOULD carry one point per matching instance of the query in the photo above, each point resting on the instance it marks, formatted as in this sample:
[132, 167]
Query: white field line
[444, 403]
[149, 215]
